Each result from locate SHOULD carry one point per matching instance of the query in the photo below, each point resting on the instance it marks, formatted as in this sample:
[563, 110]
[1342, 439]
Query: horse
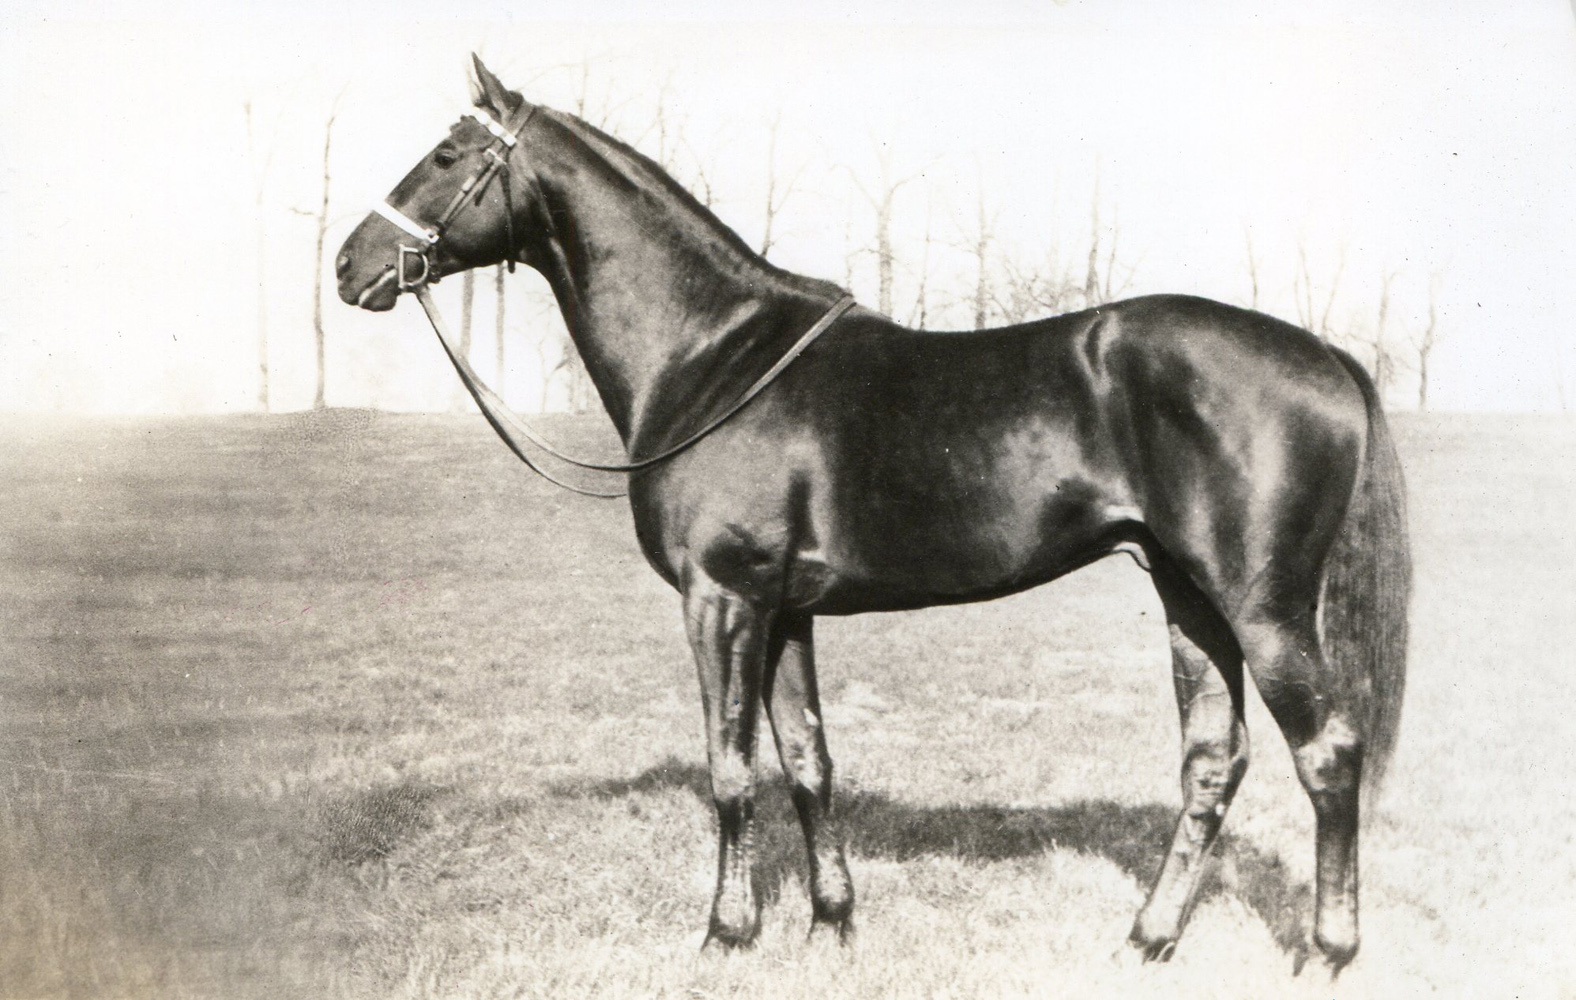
[1245, 463]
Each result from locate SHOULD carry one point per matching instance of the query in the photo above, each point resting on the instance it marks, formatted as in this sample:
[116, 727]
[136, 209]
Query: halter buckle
[406, 282]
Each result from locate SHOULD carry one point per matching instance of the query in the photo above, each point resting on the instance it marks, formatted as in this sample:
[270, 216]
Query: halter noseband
[475, 185]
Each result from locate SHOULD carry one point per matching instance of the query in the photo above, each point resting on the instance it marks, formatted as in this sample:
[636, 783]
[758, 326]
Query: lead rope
[491, 405]
[503, 419]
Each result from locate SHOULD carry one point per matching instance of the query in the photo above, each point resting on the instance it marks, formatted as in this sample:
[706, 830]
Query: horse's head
[460, 207]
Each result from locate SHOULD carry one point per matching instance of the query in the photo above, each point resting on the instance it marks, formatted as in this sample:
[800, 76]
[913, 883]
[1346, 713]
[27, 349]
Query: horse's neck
[646, 281]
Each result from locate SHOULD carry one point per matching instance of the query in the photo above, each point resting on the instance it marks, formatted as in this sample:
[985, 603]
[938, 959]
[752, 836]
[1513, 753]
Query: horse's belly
[891, 552]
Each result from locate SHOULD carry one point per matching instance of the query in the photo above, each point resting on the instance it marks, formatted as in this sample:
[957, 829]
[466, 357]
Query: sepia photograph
[885, 500]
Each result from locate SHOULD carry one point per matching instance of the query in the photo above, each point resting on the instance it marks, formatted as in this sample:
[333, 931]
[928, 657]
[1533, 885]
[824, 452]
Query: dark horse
[1243, 461]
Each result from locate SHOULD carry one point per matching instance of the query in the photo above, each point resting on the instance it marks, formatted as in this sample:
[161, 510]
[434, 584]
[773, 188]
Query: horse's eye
[445, 158]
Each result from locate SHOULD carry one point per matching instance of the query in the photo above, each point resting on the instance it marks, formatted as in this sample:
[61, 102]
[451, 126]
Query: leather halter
[474, 187]
[504, 420]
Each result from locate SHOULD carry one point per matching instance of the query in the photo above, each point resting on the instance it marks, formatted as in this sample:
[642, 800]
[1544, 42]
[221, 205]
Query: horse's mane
[646, 174]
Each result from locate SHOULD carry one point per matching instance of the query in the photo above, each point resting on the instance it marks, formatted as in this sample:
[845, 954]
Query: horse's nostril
[342, 264]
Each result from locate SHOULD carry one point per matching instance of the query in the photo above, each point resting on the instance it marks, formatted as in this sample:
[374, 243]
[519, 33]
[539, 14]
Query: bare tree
[580, 392]
[849, 251]
[778, 191]
[701, 187]
[555, 352]
[1024, 292]
[673, 142]
[1425, 343]
[979, 247]
[1052, 286]
[1253, 268]
[467, 307]
[1092, 274]
[1302, 290]
[584, 93]
[605, 109]
[1109, 289]
[259, 187]
[920, 316]
[1311, 317]
[1382, 361]
[548, 352]
[1100, 275]
[1017, 294]
[1378, 347]
[881, 201]
[498, 314]
[1325, 329]
[660, 121]
[319, 398]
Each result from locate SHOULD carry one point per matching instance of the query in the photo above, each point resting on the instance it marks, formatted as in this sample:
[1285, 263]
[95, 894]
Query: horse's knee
[732, 780]
[808, 771]
[1211, 772]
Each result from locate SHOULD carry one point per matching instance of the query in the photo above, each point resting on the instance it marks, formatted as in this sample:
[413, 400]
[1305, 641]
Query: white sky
[1436, 140]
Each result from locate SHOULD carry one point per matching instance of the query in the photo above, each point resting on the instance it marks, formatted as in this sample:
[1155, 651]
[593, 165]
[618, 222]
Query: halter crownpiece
[490, 123]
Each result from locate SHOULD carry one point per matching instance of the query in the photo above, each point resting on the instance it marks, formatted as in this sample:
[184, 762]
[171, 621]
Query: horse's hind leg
[729, 636]
[794, 704]
[1321, 723]
[1207, 669]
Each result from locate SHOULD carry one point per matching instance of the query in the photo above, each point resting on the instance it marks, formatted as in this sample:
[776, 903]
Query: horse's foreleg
[729, 637]
[1207, 668]
[794, 704]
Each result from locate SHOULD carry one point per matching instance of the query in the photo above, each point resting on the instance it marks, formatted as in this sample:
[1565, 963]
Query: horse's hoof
[1324, 962]
[731, 938]
[843, 927]
[1152, 950]
[835, 913]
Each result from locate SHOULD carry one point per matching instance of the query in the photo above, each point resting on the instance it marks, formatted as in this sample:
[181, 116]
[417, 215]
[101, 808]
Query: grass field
[347, 705]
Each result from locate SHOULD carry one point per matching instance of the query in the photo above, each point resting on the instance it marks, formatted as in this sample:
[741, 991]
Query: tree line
[947, 266]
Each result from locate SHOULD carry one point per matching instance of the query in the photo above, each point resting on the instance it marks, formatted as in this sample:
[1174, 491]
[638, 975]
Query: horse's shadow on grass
[1134, 838]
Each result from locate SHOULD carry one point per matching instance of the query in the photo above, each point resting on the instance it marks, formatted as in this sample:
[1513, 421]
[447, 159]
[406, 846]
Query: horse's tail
[1367, 584]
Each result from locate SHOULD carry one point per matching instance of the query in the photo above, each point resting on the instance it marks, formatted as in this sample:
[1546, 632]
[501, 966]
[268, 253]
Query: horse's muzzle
[377, 296]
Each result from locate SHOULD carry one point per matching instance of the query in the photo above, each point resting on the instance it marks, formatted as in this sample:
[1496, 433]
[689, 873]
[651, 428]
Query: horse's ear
[478, 98]
[489, 93]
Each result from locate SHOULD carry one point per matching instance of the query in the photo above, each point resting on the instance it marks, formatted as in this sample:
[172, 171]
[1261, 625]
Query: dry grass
[345, 705]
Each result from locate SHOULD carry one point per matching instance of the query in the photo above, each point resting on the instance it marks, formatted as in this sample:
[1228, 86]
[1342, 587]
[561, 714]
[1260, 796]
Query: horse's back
[901, 468]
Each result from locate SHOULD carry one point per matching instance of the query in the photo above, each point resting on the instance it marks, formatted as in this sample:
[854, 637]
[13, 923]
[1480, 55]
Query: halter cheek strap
[411, 278]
